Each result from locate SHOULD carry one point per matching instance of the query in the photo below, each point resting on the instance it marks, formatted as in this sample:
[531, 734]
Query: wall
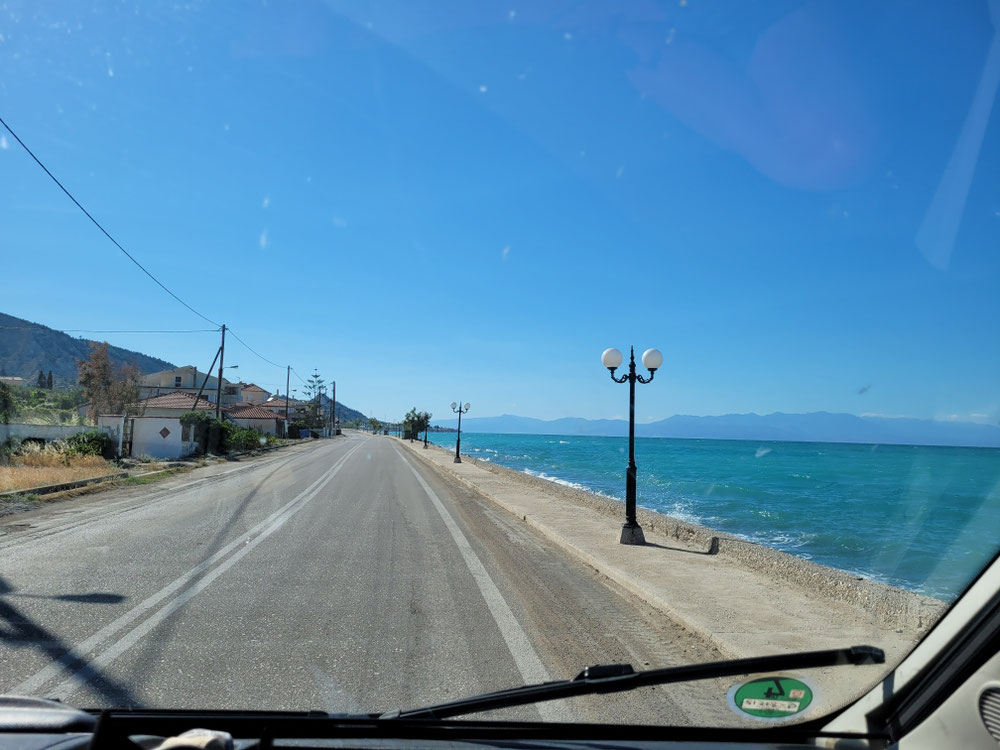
[148, 440]
[265, 426]
[44, 431]
[113, 426]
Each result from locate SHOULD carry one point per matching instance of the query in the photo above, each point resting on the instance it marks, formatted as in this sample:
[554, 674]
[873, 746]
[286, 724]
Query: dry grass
[36, 466]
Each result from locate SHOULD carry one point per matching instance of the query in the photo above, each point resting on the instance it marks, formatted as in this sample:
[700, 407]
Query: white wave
[762, 452]
[679, 510]
[557, 480]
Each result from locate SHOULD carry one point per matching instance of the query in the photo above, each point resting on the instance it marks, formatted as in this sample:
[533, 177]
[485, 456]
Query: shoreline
[890, 606]
[800, 441]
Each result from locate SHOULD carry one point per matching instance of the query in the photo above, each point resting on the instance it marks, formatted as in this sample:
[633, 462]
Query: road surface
[343, 575]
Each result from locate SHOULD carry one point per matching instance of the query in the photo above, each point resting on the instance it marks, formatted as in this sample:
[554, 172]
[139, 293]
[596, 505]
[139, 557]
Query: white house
[256, 417]
[188, 379]
[253, 394]
[296, 409]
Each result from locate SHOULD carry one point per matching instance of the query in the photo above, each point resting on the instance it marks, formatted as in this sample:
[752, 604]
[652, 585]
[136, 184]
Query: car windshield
[308, 312]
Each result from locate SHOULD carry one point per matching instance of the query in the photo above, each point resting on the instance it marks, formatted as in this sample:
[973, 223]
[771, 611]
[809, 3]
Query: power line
[136, 262]
[252, 350]
[98, 225]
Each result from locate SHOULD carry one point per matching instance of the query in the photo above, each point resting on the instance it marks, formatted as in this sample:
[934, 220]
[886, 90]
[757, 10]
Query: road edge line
[526, 659]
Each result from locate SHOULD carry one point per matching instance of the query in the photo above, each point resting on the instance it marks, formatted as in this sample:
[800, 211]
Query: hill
[26, 348]
[344, 413]
[813, 427]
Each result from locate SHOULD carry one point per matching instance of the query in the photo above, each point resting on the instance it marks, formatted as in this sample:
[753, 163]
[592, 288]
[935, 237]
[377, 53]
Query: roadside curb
[48, 489]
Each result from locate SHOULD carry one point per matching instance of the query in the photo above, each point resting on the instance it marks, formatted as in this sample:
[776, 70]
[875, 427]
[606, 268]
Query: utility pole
[288, 374]
[333, 408]
[218, 393]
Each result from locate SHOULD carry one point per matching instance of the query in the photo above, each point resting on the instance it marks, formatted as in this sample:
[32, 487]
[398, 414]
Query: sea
[926, 519]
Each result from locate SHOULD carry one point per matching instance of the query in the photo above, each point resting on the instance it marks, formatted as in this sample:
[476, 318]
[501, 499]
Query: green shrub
[91, 443]
[207, 431]
[8, 448]
[238, 438]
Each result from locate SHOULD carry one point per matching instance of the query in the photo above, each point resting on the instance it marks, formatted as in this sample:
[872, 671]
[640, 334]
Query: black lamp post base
[458, 460]
[632, 534]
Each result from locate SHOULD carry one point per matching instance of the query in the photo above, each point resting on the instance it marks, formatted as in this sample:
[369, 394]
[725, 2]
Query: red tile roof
[251, 411]
[175, 400]
[253, 388]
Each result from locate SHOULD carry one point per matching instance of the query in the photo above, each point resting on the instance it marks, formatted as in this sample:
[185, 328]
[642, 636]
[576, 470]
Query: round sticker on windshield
[771, 698]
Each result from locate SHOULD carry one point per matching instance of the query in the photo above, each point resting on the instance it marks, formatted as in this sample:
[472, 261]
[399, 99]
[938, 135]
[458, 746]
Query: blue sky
[441, 201]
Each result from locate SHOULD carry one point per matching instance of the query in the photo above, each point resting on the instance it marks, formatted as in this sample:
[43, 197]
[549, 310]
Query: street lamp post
[652, 359]
[458, 409]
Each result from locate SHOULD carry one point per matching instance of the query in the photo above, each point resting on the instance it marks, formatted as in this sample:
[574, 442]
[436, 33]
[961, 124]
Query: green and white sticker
[771, 698]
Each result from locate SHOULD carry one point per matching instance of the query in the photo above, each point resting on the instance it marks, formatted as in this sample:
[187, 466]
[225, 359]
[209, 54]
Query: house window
[186, 432]
[177, 381]
[230, 390]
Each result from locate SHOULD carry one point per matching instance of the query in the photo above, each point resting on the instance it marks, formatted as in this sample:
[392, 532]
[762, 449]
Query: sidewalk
[741, 611]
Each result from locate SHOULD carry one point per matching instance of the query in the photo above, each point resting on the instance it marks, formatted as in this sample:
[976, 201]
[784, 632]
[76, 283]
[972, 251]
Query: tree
[8, 404]
[425, 424]
[315, 386]
[375, 425]
[41, 379]
[48, 381]
[411, 424]
[109, 389]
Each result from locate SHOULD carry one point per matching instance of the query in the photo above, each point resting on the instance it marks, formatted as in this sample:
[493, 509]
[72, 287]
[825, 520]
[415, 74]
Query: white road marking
[71, 520]
[33, 685]
[525, 658]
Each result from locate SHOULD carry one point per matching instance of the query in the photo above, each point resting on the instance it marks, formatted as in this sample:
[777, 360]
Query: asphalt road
[343, 576]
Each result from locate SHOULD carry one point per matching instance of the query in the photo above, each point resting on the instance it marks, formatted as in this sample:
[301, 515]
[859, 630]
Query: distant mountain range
[813, 427]
[26, 348]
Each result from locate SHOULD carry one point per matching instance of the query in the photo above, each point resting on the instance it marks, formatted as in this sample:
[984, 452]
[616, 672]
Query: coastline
[889, 606]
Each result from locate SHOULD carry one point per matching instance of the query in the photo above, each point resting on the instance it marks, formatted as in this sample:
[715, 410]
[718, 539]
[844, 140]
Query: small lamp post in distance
[612, 359]
[458, 409]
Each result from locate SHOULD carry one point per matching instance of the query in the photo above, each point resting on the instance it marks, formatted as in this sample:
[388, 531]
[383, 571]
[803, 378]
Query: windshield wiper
[614, 678]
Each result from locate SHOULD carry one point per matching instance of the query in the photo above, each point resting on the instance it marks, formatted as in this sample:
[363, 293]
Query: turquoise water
[923, 518]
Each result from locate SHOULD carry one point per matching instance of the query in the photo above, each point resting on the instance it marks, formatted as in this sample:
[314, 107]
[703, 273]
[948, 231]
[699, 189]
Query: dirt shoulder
[130, 482]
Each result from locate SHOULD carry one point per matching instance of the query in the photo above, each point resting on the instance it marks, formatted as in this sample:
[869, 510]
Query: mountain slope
[26, 348]
[344, 413]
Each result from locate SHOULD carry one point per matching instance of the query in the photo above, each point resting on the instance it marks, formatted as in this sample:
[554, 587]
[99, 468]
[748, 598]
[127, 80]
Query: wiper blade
[615, 678]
